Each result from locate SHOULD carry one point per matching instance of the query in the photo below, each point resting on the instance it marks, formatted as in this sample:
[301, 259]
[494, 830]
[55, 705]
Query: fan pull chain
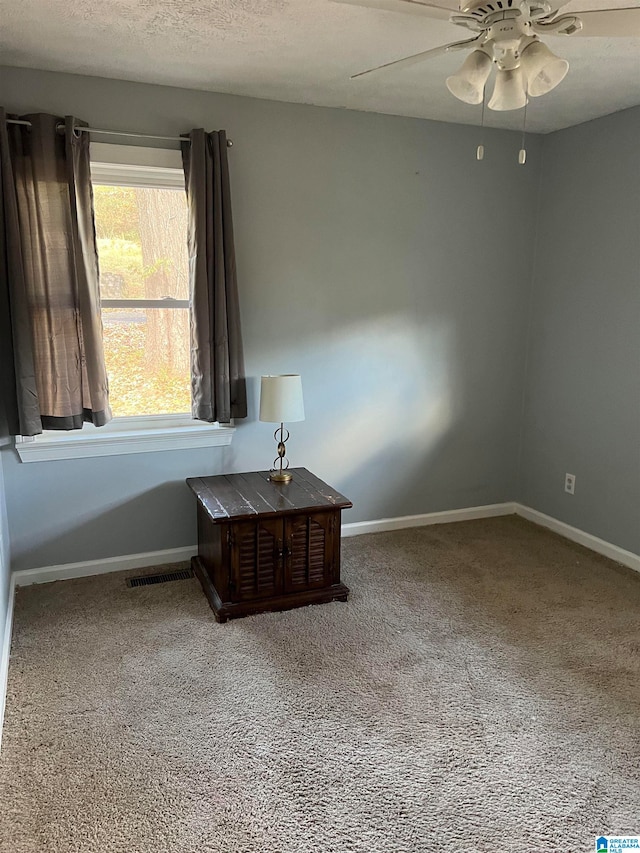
[480, 149]
[522, 154]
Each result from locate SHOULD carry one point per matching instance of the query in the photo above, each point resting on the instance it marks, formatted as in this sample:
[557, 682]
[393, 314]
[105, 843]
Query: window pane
[142, 246]
[147, 356]
[142, 242]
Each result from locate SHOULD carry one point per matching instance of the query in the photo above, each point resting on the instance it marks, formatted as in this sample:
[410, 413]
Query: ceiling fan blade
[412, 7]
[610, 23]
[418, 57]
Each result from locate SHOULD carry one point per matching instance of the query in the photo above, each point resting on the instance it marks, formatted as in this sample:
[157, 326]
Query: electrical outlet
[570, 483]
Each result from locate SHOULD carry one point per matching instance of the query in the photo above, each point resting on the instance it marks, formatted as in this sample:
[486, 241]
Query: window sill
[123, 436]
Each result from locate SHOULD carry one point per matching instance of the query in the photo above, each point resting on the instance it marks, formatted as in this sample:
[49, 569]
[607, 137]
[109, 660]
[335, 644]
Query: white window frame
[131, 166]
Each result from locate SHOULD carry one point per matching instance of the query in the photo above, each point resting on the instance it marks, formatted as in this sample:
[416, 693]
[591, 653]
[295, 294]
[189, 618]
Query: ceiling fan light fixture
[542, 68]
[468, 83]
[509, 92]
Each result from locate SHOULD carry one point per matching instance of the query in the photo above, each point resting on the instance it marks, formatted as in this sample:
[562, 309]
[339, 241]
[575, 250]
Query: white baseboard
[66, 571]
[600, 546]
[46, 574]
[6, 651]
[468, 514]
[607, 549]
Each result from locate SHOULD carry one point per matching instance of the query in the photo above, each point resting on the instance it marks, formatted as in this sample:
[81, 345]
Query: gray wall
[377, 258]
[582, 411]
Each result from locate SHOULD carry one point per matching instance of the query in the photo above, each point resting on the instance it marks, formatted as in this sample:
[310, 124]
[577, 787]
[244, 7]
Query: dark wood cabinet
[264, 545]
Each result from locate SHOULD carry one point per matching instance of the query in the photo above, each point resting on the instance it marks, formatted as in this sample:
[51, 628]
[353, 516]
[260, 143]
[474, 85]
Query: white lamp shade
[509, 92]
[468, 84]
[542, 68]
[281, 399]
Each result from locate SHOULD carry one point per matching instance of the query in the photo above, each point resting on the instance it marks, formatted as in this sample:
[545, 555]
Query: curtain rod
[115, 132]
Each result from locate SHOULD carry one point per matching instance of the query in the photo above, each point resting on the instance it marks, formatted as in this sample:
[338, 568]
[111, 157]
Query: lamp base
[280, 476]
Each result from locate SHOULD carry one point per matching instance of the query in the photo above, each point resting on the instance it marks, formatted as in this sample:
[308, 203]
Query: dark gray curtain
[49, 278]
[218, 387]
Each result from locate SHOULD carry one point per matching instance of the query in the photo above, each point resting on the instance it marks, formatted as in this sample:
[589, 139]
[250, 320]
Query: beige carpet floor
[479, 692]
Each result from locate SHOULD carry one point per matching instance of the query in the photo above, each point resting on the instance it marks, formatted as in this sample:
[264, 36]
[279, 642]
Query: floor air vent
[145, 580]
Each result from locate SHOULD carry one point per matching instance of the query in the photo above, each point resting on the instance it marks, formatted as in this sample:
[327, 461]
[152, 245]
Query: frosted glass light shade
[281, 399]
[509, 92]
[542, 69]
[468, 83]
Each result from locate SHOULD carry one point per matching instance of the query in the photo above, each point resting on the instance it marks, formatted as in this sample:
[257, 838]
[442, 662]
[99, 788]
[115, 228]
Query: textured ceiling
[302, 51]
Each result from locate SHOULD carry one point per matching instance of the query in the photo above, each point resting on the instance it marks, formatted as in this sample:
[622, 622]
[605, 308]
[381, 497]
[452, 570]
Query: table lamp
[280, 401]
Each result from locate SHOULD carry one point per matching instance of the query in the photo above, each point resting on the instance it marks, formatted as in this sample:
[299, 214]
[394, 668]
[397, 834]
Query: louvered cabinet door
[309, 544]
[256, 559]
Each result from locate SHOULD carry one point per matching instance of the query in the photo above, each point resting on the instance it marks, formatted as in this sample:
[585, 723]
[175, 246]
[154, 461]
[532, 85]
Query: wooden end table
[264, 545]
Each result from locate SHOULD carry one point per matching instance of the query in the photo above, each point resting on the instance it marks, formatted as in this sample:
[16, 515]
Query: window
[144, 288]
[141, 229]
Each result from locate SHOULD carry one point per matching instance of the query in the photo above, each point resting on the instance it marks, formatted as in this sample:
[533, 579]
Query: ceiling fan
[506, 34]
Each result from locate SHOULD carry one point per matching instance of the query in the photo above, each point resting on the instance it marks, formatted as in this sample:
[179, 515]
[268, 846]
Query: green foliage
[116, 213]
[124, 258]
